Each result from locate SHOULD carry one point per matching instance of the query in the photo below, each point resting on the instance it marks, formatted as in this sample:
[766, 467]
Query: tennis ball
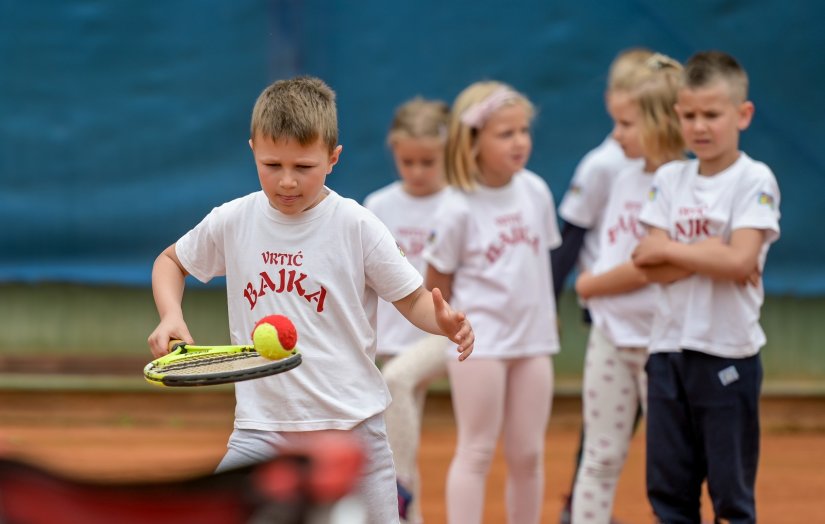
[275, 337]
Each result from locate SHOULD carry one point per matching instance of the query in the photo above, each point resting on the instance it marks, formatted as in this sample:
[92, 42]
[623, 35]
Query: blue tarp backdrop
[123, 123]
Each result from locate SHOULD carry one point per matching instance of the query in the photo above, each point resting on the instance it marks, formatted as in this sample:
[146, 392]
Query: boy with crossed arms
[714, 216]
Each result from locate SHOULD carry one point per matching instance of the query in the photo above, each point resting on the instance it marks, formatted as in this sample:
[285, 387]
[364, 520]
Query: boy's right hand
[754, 279]
[454, 324]
[171, 329]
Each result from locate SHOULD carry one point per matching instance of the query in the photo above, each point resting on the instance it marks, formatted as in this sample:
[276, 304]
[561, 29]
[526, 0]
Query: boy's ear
[252, 147]
[746, 110]
[334, 156]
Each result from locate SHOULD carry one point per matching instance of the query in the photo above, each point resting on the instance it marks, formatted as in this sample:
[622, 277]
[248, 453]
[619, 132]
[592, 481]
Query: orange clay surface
[167, 434]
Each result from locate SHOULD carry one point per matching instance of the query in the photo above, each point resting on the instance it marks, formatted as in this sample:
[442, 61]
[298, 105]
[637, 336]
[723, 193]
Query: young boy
[716, 217]
[297, 248]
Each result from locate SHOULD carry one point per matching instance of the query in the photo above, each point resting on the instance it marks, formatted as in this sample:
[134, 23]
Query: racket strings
[197, 364]
[220, 365]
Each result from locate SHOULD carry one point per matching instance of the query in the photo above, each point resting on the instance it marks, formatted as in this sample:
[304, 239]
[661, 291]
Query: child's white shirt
[712, 316]
[584, 202]
[324, 269]
[410, 219]
[625, 319]
[496, 243]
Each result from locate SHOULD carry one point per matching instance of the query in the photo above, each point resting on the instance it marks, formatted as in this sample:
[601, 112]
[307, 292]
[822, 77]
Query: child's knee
[524, 461]
[603, 458]
[475, 458]
[399, 384]
[398, 379]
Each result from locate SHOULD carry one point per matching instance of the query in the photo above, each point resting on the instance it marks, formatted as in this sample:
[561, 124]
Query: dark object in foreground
[289, 489]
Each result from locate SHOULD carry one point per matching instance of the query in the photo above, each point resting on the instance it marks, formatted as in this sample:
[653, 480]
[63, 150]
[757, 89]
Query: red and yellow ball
[275, 337]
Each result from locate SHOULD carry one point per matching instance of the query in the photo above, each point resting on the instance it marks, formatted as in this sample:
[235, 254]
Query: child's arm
[630, 276]
[665, 273]
[430, 311]
[168, 279]
[564, 257]
[623, 278]
[737, 260]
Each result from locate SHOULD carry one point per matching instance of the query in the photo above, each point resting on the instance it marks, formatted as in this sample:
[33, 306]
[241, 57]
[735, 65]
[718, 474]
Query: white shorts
[376, 489]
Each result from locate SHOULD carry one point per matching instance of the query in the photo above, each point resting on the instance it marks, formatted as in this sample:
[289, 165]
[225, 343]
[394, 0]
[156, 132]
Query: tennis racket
[190, 365]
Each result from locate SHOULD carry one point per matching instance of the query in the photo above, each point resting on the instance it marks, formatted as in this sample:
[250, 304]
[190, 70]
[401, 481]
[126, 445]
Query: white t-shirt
[712, 316]
[324, 269]
[585, 200]
[496, 243]
[625, 319]
[410, 219]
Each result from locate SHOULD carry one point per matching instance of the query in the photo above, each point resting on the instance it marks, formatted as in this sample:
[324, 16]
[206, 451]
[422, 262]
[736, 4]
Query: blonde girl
[489, 252]
[412, 358]
[620, 301]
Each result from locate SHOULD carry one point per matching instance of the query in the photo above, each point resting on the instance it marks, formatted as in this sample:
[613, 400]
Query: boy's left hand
[650, 251]
[454, 325]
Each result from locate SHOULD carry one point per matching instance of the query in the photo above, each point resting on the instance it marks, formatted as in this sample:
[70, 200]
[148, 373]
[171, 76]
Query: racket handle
[174, 344]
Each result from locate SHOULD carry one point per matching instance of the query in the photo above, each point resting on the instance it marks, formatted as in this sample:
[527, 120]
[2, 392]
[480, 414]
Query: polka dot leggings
[614, 385]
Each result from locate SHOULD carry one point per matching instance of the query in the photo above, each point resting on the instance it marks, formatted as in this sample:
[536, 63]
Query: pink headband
[478, 113]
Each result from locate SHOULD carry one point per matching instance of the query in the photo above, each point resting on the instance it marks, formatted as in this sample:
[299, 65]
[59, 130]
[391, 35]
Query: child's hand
[454, 325]
[753, 279]
[168, 329]
[582, 283]
[650, 251]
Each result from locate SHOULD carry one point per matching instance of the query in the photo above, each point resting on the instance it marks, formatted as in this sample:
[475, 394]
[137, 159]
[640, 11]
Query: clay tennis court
[119, 436]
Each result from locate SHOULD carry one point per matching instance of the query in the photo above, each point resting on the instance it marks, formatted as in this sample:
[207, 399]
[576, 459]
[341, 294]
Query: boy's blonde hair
[301, 108]
[420, 118]
[707, 67]
[470, 111]
[655, 92]
[622, 75]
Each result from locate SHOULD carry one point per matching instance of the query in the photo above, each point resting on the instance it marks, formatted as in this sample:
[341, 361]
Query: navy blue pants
[703, 423]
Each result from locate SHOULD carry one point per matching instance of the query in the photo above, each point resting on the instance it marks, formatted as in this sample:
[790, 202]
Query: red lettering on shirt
[692, 229]
[287, 282]
[627, 224]
[516, 235]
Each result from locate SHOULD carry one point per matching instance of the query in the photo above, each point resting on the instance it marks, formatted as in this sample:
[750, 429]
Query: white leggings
[491, 396]
[408, 375]
[615, 384]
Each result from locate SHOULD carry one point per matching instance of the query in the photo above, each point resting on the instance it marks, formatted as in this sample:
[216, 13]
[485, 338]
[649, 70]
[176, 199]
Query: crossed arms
[657, 258]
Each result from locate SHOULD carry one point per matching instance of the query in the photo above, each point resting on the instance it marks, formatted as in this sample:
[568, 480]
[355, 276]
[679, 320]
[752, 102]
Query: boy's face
[711, 119]
[627, 123]
[292, 175]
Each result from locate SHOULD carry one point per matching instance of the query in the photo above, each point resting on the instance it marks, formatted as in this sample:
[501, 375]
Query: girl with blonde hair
[619, 296]
[490, 253]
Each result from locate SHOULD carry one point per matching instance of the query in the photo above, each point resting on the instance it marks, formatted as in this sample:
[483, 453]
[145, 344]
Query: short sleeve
[757, 206]
[447, 239]
[201, 249]
[387, 269]
[656, 209]
[552, 226]
[585, 199]
[586, 196]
